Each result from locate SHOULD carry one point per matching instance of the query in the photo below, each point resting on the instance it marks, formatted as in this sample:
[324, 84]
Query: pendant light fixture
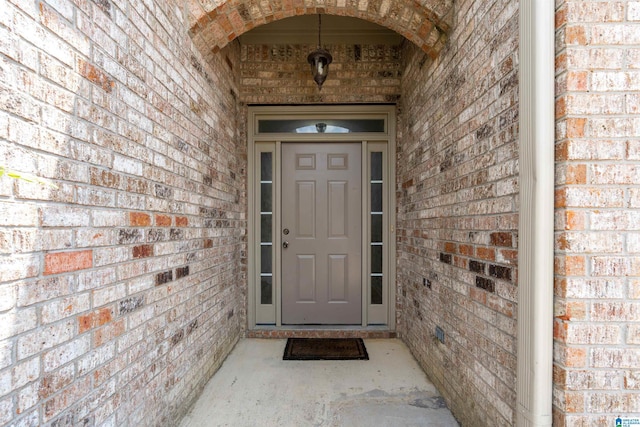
[319, 60]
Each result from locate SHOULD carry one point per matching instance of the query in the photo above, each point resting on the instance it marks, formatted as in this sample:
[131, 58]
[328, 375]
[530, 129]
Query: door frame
[384, 140]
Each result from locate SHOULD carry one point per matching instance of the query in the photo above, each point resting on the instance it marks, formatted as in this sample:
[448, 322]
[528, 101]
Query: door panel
[321, 253]
[338, 278]
[338, 209]
[306, 275]
[305, 209]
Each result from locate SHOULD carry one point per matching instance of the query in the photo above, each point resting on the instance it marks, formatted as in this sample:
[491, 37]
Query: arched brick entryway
[444, 83]
[214, 24]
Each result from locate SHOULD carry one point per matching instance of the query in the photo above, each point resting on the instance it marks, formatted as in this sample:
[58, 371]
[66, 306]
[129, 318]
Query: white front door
[321, 233]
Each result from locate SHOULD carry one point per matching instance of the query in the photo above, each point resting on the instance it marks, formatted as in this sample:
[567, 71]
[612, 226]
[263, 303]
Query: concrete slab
[255, 387]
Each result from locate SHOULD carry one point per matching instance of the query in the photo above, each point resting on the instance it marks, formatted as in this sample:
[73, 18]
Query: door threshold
[321, 331]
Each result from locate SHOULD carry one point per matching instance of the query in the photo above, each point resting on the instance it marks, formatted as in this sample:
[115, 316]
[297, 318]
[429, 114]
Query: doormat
[325, 349]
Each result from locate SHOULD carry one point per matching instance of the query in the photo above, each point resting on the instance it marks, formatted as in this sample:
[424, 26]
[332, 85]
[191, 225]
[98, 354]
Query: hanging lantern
[319, 60]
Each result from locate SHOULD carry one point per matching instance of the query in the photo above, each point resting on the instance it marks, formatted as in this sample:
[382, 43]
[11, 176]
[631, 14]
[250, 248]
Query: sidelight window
[265, 189]
[266, 228]
[376, 241]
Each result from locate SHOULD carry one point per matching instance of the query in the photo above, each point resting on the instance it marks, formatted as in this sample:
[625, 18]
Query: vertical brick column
[597, 212]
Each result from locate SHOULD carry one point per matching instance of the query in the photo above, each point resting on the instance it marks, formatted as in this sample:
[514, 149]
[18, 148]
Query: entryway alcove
[454, 185]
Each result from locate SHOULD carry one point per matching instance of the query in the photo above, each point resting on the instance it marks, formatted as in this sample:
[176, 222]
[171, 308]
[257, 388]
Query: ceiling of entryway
[335, 30]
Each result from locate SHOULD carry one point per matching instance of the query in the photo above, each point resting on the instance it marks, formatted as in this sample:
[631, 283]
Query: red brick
[501, 239]
[561, 17]
[466, 250]
[142, 251]
[562, 151]
[486, 253]
[85, 322]
[575, 357]
[105, 315]
[560, 198]
[62, 262]
[96, 75]
[576, 127]
[561, 106]
[95, 319]
[570, 265]
[574, 220]
[182, 221]
[576, 174]
[576, 81]
[572, 310]
[574, 402]
[559, 330]
[576, 35]
[559, 376]
[139, 219]
[507, 256]
[407, 184]
[163, 221]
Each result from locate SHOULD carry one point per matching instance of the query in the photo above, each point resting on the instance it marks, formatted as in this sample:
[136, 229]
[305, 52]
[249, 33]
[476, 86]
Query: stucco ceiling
[335, 30]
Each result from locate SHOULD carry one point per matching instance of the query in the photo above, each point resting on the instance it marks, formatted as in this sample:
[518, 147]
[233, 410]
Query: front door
[321, 233]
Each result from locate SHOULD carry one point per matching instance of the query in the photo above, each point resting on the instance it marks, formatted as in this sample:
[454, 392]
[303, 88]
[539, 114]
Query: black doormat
[325, 349]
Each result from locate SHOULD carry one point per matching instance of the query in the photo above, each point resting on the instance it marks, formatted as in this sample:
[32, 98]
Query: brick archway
[213, 24]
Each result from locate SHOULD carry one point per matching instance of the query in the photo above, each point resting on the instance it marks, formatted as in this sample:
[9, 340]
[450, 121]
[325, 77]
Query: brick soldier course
[123, 290]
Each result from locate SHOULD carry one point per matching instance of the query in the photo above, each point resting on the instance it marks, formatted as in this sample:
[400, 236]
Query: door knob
[285, 245]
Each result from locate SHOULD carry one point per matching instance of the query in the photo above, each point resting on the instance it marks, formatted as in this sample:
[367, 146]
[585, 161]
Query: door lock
[285, 231]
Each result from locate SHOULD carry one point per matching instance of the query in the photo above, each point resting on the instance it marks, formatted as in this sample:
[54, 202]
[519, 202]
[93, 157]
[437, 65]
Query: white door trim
[272, 141]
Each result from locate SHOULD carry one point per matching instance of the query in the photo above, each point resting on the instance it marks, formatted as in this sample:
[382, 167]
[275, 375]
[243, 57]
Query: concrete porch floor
[255, 387]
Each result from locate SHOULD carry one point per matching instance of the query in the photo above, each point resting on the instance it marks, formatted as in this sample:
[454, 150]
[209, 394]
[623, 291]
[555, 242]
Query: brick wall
[280, 74]
[457, 220]
[596, 330]
[120, 291]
